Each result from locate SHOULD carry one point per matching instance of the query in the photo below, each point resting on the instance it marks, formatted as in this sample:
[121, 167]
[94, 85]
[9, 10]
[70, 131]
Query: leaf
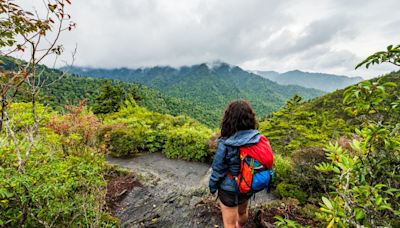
[384, 207]
[330, 225]
[359, 214]
[327, 203]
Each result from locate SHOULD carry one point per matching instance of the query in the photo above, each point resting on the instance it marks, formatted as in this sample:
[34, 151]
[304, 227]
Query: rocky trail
[171, 193]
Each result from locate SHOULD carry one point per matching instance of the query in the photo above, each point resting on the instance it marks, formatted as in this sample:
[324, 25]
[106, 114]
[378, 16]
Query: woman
[238, 128]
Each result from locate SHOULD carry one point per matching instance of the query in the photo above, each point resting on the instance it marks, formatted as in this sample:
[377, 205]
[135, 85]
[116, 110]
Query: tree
[38, 37]
[391, 55]
[110, 99]
[366, 186]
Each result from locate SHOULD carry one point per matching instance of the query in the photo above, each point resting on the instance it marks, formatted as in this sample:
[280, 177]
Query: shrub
[134, 129]
[212, 144]
[365, 180]
[285, 190]
[282, 168]
[188, 143]
[52, 188]
[304, 173]
[63, 192]
[78, 128]
[122, 142]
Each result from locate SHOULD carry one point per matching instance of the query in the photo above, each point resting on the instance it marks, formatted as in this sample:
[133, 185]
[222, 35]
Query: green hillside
[343, 147]
[210, 86]
[314, 123]
[70, 89]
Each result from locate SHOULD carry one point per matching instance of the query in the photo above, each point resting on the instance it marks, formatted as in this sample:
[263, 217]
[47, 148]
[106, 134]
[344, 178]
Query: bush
[78, 129]
[188, 143]
[62, 192]
[285, 190]
[282, 169]
[51, 188]
[134, 129]
[305, 175]
[122, 143]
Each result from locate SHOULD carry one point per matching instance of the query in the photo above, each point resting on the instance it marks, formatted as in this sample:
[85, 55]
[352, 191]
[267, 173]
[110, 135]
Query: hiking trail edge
[174, 194]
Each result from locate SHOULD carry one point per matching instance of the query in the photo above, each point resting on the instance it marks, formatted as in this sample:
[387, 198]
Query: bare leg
[229, 215]
[243, 213]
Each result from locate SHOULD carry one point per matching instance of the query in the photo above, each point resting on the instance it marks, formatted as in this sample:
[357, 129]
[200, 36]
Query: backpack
[256, 167]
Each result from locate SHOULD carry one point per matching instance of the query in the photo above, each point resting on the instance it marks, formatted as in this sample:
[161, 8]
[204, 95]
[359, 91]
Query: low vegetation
[336, 157]
[134, 128]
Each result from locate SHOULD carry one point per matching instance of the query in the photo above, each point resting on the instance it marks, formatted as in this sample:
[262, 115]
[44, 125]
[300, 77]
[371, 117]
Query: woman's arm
[219, 168]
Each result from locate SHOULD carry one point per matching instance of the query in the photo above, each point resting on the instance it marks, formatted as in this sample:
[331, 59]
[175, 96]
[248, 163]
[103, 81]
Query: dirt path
[174, 194]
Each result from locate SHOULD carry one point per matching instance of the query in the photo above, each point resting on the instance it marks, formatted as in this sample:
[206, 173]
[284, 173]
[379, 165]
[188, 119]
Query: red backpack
[256, 162]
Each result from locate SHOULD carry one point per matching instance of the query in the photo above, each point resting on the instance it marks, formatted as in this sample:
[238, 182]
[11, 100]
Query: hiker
[238, 131]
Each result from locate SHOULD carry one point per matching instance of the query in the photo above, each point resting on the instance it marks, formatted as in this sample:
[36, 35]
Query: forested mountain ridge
[209, 85]
[321, 81]
[69, 89]
[319, 120]
[336, 157]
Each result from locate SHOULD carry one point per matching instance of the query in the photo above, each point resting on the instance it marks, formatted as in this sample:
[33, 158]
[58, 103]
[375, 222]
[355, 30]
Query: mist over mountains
[320, 81]
[212, 85]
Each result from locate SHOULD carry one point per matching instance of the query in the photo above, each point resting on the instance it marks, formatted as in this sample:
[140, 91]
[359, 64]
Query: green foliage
[122, 143]
[304, 174]
[285, 190]
[78, 129]
[361, 171]
[53, 191]
[188, 143]
[282, 168]
[68, 89]
[134, 128]
[366, 182]
[281, 222]
[391, 55]
[369, 98]
[109, 99]
[17, 23]
[54, 188]
[296, 126]
[211, 88]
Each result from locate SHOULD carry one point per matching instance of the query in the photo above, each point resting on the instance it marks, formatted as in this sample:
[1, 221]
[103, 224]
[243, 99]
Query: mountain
[321, 81]
[271, 75]
[70, 89]
[210, 85]
[316, 122]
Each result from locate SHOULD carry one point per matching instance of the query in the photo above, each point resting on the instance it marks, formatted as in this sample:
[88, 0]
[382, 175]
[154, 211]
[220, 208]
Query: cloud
[330, 36]
[317, 33]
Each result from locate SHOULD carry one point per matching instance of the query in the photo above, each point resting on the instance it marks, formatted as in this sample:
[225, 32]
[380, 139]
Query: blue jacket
[227, 159]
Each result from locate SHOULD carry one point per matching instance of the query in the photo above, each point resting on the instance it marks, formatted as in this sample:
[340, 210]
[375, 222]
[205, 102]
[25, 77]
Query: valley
[119, 145]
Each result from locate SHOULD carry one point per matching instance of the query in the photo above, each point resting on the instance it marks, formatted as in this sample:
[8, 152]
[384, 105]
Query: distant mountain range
[321, 81]
[71, 89]
[210, 85]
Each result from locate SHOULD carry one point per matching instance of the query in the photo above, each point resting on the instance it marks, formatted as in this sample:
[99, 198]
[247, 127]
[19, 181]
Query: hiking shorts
[232, 199]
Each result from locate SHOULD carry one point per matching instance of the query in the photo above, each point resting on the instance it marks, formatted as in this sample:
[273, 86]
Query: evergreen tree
[109, 100]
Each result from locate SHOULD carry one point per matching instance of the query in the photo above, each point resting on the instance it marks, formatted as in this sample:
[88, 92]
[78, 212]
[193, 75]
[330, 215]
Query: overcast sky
[329, 36]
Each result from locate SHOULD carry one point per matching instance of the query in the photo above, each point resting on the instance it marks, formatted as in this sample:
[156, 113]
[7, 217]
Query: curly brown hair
[239, 115]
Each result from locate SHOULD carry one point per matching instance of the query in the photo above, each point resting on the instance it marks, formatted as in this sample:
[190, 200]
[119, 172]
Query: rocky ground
[168, 193]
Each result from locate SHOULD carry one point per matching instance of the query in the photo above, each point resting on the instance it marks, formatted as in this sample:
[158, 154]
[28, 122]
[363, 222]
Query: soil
[265, 217]
[117, 189]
